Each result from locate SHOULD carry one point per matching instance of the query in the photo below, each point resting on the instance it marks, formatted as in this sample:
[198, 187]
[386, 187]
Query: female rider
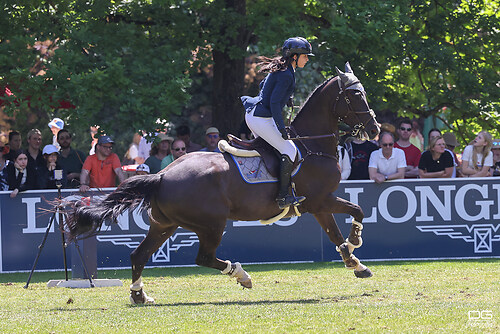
[264, 112]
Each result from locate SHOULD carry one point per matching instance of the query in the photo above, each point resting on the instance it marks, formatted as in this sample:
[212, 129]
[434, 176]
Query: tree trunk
[229, 73]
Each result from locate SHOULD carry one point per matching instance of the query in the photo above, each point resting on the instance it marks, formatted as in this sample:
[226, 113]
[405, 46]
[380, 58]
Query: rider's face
[302, 60]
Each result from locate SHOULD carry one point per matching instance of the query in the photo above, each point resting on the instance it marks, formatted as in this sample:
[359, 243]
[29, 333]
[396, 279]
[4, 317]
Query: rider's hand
[284, 134]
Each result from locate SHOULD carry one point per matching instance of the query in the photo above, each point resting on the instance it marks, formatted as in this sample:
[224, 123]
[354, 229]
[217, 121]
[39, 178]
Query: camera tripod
[59, 212]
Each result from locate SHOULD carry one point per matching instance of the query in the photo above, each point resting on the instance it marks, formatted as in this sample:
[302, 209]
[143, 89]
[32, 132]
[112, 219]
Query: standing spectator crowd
[397, 154]
[58, 165]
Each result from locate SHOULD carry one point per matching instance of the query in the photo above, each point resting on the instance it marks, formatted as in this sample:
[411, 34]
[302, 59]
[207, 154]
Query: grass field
[401, 297]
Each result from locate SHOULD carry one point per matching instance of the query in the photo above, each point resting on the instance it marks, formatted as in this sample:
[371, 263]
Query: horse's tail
[88, 219]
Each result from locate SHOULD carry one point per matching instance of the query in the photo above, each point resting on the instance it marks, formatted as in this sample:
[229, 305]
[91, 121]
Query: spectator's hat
[49, 149]
[387, 127]
[212, 129]
[450, 139]
[57, 123]
[496, 144]
[105, 140]
[161, 137]
[143, 168]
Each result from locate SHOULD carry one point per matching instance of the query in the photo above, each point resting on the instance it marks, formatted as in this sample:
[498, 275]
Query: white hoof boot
[354, 240]
[235, 270]
[137, 295]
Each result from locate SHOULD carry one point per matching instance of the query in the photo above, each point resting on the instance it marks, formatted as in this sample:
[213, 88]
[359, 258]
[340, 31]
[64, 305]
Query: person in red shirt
[412, 153]
[101, 169]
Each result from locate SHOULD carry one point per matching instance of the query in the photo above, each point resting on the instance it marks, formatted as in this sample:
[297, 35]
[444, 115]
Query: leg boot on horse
[284, 199]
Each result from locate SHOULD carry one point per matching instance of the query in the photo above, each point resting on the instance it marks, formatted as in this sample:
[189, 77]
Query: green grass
[401, 297]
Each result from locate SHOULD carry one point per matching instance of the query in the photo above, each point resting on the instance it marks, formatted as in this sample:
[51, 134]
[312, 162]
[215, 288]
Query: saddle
[270, 156]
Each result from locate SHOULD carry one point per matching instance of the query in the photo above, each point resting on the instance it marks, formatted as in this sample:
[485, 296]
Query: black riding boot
[284, 199]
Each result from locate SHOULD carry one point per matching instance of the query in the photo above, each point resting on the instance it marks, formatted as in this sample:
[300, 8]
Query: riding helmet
[296, 45]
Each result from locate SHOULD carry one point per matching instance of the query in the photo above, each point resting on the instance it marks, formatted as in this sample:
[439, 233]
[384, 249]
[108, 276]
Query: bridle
[358, 128]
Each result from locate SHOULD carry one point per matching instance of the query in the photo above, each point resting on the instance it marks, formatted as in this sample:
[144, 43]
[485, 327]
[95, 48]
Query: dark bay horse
[201, 191]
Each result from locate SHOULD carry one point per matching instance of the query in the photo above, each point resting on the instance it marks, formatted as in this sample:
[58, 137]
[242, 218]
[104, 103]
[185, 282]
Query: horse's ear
[348, 68]
[339, 72]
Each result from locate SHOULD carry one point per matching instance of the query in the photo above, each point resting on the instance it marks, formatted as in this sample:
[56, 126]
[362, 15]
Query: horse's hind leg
[210, 239]
[329, 225]
[156, 236]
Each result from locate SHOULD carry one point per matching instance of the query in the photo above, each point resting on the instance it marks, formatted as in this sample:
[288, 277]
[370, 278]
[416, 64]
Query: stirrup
[289, 200]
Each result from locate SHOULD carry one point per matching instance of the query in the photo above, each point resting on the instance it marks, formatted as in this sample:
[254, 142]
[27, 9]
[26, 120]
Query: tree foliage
[126, 64]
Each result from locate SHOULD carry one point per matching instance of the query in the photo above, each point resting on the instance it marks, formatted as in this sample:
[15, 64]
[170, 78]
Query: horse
[200, 191]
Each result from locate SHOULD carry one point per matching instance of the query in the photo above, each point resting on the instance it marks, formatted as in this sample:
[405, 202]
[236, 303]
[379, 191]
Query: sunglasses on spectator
[387, 144]
[107, 147]
[64, 137]
[215, 136]
[496, 143]
[404, 129]
[179, 149]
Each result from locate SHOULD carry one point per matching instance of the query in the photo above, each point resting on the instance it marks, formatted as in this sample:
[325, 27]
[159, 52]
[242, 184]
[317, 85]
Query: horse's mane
[314, 93]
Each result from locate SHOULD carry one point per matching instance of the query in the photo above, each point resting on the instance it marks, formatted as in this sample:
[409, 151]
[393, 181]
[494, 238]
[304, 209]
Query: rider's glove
[289, 103]
[284, 134]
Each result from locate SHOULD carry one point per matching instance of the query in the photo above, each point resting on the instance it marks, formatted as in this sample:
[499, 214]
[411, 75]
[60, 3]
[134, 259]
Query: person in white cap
[47, 177]
[142, 169]
[55, 125]
[159, 151]
[212, 138]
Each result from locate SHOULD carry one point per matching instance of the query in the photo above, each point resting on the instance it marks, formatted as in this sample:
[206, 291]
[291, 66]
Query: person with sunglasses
[212, 138]
[101, 169]
[412, 153]
[178, 150]
[387, 163]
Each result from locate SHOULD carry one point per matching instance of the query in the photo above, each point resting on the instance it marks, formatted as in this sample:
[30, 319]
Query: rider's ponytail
[270, 65]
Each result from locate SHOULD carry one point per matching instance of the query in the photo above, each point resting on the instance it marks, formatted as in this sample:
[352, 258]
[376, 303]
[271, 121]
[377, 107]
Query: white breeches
[266, 128]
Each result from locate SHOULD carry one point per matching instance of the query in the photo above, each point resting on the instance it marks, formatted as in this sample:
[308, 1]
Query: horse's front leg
[328, 223]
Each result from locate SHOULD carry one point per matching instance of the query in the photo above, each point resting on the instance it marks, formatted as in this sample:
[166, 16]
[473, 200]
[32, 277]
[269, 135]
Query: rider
[264, 112]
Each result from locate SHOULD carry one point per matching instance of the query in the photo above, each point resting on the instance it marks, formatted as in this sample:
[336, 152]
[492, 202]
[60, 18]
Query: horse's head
[357, 113]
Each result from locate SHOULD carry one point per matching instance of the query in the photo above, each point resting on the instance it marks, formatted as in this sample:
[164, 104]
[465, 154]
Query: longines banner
[438, 219]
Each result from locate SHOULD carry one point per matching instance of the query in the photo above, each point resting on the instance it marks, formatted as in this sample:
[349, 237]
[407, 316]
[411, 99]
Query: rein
[357, 129]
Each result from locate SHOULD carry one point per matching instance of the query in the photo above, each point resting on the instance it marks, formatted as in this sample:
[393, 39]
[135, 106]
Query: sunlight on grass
[402, 297]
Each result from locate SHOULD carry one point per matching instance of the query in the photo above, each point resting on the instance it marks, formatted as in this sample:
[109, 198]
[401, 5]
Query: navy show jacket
[275, 90]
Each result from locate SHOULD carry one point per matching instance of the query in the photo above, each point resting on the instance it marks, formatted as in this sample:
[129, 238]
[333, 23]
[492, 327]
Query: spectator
[101, 169]
[359, 155]
[55, 126]
[159, 151]
[142, 169]
[71, 160]
[412, 153]
[46, 176]
[496, 157]
[178, 150]
[451, 142]
[93, 134]
[387, 127]
[436, 162]
[344, 163]
[144, 148]
[387, 163]
[434, 133]
[14, 145]
[35, 157]
[477, 158]
[3, 167]
[132, 155]
[184, 133]
[212, 138]
[416, 137]
[20, 175]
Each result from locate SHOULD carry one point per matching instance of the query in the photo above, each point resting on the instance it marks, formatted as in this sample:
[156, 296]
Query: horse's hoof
[363, 273]
[246, 284]
[139, 297]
